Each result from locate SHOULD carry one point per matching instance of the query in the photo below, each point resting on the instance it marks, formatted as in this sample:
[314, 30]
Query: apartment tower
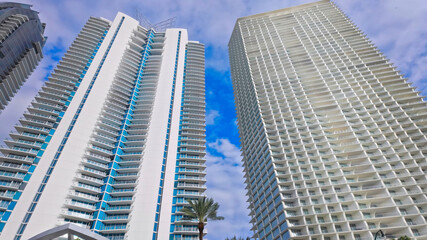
[115, 139]
[333, 136]
[21, 43]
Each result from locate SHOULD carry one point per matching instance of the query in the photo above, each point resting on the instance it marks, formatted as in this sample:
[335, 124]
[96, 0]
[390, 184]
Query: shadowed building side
[21, 43]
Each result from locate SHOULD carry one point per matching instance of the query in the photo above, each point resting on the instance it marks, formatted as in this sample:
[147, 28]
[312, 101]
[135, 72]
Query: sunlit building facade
[333, 136]
[115, 139]
[21, 43]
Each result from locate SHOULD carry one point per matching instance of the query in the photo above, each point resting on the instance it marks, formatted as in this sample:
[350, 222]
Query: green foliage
[201, 210]
[238, 238]
[404, 238]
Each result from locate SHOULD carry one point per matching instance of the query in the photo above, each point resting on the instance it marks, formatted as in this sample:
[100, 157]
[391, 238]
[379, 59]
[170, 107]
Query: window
[416, 232]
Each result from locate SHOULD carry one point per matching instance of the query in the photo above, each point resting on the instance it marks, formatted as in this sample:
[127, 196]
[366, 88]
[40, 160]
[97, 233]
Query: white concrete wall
[144, 209]
[166, 210]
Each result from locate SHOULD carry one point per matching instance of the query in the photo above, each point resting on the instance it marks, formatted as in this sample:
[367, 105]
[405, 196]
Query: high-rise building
[115, 139]
[333, 136]
[21, 43]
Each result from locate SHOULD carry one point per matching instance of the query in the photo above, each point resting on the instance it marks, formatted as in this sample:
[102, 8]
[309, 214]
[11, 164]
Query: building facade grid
[333, 136]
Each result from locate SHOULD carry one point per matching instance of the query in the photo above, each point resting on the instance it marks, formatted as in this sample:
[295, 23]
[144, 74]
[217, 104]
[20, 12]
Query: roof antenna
[158, 27]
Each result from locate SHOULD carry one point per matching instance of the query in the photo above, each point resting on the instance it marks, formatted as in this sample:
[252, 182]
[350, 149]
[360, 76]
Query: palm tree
[201, 210]
[240, 238]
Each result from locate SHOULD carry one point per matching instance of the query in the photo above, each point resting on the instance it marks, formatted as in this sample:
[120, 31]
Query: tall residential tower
[115, 139]
[333, 136]
[21, 43]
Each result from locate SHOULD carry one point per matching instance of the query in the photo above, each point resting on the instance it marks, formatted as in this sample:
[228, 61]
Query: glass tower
[115, 139]
[21, 43]
[333, 136]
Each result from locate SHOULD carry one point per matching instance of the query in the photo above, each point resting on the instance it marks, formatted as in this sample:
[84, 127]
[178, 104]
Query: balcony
[83, 196]
[77, 216]
[87, 188]
[80, 205]
[9, 185]
[17, 159]
[119, 228]
[119, 209]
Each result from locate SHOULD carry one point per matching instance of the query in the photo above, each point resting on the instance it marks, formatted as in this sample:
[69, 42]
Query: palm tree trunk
[201, 227]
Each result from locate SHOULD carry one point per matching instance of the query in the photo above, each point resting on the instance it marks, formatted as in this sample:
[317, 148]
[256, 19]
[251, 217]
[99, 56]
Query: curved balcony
[8, 195]
[83, 187]
[110, 229]
[83, 196]
[90, 180]
[121, 200]
[80, 205]
[118, 209]
[121, 192]
[19, 150]
[95, 165]
[126, 175]
[17, 159]
[118, 218]
[191, 186]
[32, 129]
[7, 185]
[124, 183]
[77, 216]
[92, 172]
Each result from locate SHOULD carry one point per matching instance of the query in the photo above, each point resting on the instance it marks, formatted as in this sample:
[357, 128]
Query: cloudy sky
[397, 27]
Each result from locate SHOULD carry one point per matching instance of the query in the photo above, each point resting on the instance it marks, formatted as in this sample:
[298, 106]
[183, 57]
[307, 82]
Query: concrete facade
[105, 136]
[333, 136]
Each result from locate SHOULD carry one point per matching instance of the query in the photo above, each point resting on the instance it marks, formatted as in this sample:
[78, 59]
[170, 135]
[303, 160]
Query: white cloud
[211, 116]
[225, 185]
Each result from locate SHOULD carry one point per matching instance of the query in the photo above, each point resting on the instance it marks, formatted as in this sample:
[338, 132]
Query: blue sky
[397, 27]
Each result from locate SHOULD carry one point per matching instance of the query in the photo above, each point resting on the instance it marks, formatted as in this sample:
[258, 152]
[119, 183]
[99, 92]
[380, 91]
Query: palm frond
[201, 210]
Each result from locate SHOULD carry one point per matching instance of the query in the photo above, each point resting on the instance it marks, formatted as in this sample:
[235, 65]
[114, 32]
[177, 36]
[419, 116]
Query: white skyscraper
[115, 139]
[333, 137]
